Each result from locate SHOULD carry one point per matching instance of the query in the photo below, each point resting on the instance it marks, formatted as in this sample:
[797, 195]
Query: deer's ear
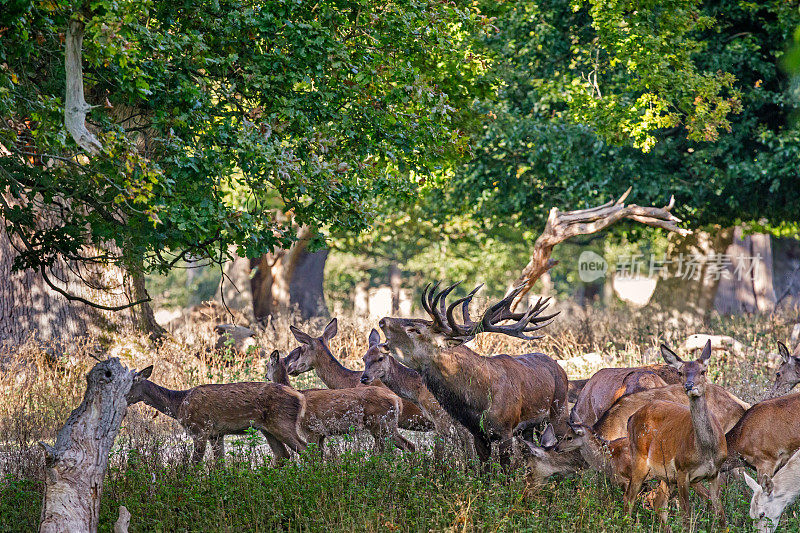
[549, 439]
[784, 351]
[671, 357]
[331, 329]
[275, 356]
[144, 373]
[301, 336]
[452, 343]
[706, 353]
[374, 337]
[752, 483]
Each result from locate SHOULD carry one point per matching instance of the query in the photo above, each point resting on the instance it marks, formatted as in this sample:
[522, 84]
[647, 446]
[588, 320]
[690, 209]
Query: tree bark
[77, 463]
[289, 280]
[747, 286]
[689, 284]
[396, 283]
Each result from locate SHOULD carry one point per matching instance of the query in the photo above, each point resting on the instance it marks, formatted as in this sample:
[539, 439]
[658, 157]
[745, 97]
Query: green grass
[354, 492]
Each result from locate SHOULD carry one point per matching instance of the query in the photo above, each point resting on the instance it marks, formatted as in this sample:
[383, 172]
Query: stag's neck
[458, 374]
[333, 374]
[279, 375]
[402, 380]
[705, 426]
[162, 399]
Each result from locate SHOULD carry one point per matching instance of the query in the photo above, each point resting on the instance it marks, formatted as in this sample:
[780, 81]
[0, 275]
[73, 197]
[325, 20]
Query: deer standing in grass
[332, 412]
[676, 444]
[490, 396]
[767, 505]
[314, 354]
[407, 383]
[209, 412]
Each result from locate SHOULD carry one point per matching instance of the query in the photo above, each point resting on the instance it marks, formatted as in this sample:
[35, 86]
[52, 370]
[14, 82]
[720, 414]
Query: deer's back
[339, 409]
[769, 431]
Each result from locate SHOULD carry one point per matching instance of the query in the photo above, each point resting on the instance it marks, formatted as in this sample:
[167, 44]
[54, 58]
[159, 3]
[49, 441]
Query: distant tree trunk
[235, 286]
[396, 283]
[688, 285]
[747, 286]
[28, 306]
[288, 280]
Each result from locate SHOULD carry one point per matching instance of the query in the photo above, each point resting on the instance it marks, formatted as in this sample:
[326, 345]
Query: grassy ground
[350, 489]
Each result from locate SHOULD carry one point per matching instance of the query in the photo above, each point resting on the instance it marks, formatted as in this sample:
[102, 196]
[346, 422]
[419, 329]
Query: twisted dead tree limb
[77, 463]
[562, 226]
[75, 106]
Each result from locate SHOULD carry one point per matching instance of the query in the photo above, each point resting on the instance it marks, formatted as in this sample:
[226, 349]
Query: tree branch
[75, 106]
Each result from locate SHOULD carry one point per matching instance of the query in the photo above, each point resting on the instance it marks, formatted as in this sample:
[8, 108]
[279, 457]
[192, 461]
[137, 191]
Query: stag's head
[788, 374]
[376, 362]
[136, 394]
[306, 356]
[691, 373]
[765, 508]
[417, 341]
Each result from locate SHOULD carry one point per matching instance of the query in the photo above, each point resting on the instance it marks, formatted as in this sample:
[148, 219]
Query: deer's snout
[365, 379]
[689, 385]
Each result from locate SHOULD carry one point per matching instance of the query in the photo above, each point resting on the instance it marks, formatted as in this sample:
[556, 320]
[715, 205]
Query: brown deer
[332, 412]
[314, 354]
[676, 444]
[543, 461]
[490, 396]
[788, 374]
[209, 412]
[727, 408]
[407, 383]
[607, 385]
[767, 434]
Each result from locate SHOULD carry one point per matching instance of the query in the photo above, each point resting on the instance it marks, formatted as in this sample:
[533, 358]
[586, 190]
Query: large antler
[444, 319]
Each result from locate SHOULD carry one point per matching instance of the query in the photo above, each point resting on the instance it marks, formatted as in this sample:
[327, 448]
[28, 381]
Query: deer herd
[666, 422]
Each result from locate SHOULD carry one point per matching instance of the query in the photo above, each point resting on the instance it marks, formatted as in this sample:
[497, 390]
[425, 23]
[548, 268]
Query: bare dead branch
[75, 106]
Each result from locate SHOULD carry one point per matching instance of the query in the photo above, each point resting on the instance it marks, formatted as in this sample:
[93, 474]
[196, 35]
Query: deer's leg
[218, 446]
[716, 501]
[639, 470]
[661, 503]
[683, 496]
[402, 442]
[199, 449]
[279, 451]
[504, 451]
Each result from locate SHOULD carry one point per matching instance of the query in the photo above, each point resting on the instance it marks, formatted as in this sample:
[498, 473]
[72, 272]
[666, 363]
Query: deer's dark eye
[777, 375]
[380, 359]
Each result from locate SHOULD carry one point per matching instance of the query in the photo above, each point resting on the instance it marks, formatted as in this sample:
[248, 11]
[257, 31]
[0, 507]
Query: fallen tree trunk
[77, 463]
[561, 226]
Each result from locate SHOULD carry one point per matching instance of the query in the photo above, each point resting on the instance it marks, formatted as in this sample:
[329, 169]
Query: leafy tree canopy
[212, 114]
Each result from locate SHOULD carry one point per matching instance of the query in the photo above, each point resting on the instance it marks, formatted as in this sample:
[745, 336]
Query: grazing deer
[727, 408]
[676, 444]
[407, 383]
[766, 506]
[490, 396]
[332, 412]
[788, 374]
[607, 385]
[314, 354]
[209, 412]
[767, 435]
[544, 461]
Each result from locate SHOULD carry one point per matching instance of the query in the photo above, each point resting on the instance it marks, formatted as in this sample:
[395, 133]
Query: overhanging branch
[75, 106]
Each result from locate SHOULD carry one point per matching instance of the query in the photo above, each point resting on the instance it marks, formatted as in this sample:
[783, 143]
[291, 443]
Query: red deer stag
[209, 412]
[788, 374]
[332, 412]
[607, 385]
[676, 444]
[314, 354]
[490, 396]
[407, 383]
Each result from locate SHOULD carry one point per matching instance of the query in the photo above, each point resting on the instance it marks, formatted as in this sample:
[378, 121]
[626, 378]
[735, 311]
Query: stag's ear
[671, 357]
[706, 353]
[301, 336]
[784, 351]
[452, 343]
[548, 439]
[143, 374]
[374, 337]
[752, 483]
[331, 329]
